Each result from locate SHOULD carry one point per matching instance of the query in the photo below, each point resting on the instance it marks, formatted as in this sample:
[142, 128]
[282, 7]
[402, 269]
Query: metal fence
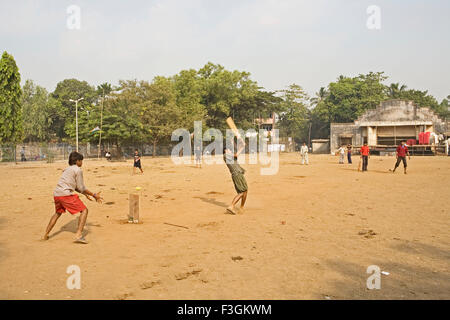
[60, 151]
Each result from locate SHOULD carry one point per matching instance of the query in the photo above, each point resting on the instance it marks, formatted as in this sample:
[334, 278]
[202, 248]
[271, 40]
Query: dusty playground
[309, 232]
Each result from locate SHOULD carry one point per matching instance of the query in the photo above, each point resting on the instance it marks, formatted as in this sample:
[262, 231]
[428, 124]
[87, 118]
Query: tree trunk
[154, 149]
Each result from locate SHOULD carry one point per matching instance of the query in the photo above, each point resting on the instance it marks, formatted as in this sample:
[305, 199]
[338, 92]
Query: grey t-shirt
[71, 180]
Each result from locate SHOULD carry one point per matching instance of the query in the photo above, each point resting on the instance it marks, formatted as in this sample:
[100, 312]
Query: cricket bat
[359, 164]
[233, 127]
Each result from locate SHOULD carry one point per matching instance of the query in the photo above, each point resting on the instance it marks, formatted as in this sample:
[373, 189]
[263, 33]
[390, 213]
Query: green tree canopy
[73, 89]
[39, 110]
[11, 129]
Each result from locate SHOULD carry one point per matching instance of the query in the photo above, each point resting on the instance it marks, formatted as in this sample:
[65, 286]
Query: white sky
[279, 42]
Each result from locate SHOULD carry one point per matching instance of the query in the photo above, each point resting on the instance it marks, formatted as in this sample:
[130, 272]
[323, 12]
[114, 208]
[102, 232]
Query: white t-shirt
[71, 180]
[304, 149]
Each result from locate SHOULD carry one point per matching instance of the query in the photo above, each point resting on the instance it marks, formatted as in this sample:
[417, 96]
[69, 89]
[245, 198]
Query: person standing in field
[237, 175]
[349, 153]
[402, 151]
[304, 153]
[365, 155]
[70, 181]
[22, 155]
[341, 152]
[137, 162]
[198, 156]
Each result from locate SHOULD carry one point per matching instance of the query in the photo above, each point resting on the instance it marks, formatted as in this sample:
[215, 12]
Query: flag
[94, 130]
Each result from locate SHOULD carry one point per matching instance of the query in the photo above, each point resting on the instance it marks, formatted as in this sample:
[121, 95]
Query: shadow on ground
[213, 201]
[72, 226]
[406, 280]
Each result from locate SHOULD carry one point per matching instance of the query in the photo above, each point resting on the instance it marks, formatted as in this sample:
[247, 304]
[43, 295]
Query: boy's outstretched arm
[240, 148]
[96, 196]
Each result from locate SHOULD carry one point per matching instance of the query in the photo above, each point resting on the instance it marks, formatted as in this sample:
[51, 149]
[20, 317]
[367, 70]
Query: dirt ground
[308, 232]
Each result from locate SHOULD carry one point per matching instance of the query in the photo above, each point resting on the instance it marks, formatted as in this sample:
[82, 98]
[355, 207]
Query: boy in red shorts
[65, 199]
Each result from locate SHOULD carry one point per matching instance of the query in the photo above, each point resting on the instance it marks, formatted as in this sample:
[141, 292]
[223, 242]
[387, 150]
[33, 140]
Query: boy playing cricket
[365, 154]
[198, 156]
[341, 152]
[304, 153]
[137, 162]
[402, 151]
[237, 175]
[65, 199]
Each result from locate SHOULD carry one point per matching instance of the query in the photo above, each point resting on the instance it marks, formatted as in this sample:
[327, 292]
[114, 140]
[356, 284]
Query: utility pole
[101, 125]
[309, 138]
[76, 119]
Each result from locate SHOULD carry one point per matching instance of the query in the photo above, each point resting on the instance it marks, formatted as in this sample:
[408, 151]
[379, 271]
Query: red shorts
[72, 203]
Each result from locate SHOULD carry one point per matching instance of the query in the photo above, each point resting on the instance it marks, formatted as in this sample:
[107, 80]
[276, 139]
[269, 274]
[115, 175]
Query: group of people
[342, 151]
[71, 181]
[401, 153]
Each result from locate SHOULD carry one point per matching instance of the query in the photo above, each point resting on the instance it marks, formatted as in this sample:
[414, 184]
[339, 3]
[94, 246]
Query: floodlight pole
[76, 119]
[101, 125]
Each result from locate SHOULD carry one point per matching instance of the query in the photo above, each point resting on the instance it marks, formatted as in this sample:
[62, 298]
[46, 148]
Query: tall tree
[11, 129]
[38, 111]
[349, 97]
[65, 91]
[227, 93]
[189, 90]
[294, 115]
[160, 115]
[394, 91]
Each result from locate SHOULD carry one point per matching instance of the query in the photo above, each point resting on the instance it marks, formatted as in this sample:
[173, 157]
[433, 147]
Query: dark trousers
[400, 159]
[349, 157]
[365, 162]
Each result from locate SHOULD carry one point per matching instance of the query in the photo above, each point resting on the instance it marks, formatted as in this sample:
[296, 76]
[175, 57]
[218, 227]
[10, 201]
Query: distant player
[198, 156]
[237, 175]
[349, 153]
[402, 151]
[365, 155]
[341, 152]
[137, 162]
[65, 199]
[304, 153]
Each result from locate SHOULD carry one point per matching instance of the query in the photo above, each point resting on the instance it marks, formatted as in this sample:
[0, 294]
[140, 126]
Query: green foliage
[294, 113]
[395, 91]
[64, 123]
[346, 99]
[421, 98]
[39, 110]
[137, 112]
[10, 99]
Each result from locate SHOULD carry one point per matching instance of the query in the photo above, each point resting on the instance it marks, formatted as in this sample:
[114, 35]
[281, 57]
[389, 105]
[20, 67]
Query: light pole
[76, 117]
[101, 125]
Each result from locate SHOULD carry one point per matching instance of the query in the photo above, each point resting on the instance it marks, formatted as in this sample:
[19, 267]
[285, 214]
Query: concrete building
[320, 145]
[388, 124]
[267, 123]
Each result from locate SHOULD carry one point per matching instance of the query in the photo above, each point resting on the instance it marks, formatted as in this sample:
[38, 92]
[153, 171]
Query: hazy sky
[279, 42]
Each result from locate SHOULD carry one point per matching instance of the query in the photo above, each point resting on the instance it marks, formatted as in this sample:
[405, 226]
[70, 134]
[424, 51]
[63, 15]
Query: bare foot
[230, 209]
[46, 237]
[241, 210]
[81, 240]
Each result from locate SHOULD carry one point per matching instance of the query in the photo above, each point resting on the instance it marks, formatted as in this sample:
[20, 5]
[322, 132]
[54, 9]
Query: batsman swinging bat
[233, 127]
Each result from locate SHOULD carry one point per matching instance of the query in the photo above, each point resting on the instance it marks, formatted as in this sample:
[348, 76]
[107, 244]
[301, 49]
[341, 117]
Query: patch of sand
[308, 232]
